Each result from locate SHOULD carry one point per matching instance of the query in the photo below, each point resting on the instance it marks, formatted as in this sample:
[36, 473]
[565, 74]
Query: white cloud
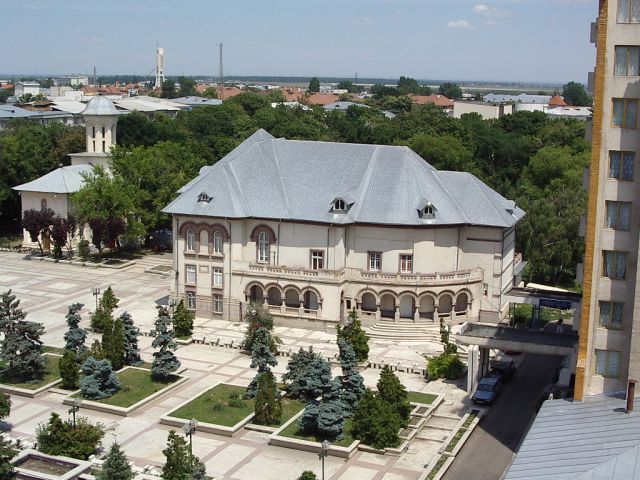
[490, 23]
[487, 11]
[459, 24]
[362, 21]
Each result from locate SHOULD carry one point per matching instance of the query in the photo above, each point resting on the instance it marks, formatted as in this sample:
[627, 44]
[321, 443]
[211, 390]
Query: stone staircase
[407, 332]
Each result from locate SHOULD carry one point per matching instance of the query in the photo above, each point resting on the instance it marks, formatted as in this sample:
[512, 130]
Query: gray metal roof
[62, 180]
[592, 440]
[265, 177]
[100, 105]
[195, 100]
[343, 105]
[11, 111]
[521, 98]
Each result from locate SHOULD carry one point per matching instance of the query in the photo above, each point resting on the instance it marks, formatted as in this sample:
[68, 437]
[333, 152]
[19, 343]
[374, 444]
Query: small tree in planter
[96, 350]
[131, 333]
[180, 463]
[104, 313]
[58, 437]
[7, 452]
[83, 250]
[115, 466]
[99, 380]
[164, 360]
[308, 375]
[375, 422]
[113, 342]
[68, 366]
[355, 335]
[352, 381]
[268, 407]
[258, 317]
[261, 358]
[332, 412]
[183, 320]
[393, 392]
[75, 337]
[307, 475]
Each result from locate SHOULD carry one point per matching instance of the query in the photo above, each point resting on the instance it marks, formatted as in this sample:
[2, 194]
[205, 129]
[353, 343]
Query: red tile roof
[557, 101]
[438, 100]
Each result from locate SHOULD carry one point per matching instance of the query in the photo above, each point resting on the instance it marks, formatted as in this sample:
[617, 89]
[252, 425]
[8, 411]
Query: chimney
[631, 390]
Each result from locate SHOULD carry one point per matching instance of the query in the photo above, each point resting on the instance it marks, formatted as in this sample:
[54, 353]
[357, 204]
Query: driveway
[492, 445]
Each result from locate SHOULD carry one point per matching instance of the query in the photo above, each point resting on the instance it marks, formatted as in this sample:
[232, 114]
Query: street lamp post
[172, 304]
[75, 406]
[189, 430]
[324, 453]
[96, 292]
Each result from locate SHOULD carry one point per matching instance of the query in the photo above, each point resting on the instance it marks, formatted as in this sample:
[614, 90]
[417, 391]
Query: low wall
[28, 392]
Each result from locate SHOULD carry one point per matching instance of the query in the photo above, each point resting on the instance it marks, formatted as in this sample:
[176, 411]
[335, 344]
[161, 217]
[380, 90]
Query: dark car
[487, 390]
[503, 371]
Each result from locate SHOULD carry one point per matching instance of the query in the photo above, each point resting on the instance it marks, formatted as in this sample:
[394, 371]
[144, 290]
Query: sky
[489, 40]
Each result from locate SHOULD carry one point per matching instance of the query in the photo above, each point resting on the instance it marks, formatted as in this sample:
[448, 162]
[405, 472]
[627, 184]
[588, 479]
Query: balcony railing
[365, 276]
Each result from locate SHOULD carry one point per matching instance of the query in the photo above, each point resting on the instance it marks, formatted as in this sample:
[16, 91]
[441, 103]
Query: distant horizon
[541, 41]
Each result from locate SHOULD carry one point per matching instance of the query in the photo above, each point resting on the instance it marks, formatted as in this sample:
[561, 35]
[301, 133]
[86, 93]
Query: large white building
[54, 189]
[314, 229]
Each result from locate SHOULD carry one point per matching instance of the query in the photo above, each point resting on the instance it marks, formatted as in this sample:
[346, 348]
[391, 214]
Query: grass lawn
[202, 408]
[48, 349]
[292, 431]
[136, 385]
[51, 374]
[418, 397]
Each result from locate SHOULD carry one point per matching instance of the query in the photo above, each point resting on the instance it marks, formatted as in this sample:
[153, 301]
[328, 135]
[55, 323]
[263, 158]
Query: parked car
[503, 371]
[487, 390]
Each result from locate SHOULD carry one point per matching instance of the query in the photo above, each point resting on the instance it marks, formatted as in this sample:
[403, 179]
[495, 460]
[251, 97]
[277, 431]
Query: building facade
[609, 348]
[315, 229]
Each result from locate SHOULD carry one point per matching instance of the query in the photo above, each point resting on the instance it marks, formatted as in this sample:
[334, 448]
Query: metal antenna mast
[221, 74]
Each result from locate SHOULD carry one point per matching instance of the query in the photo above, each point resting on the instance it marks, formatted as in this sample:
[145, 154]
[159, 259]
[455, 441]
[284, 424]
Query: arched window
[191, 239]
[264, 245]
[217, 242]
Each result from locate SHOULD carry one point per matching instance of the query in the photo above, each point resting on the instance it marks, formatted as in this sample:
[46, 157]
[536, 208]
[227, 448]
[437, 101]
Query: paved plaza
[46, 289]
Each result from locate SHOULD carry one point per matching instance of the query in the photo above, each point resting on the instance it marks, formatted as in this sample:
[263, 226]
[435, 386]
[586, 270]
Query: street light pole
[323, 453]
[74, 408]
[96, 292]
[189, 430]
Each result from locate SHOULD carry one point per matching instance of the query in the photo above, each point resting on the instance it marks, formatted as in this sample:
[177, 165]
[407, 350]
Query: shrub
[115, 466]
[180, 464]
[58, 437]
[68, 366]
[393, 392]
[308, 375]
[7, 452]
[355, 335]
[307, 475]
[258, 317]
[445, 365]
[267, 406]
[375, 422]
[182, 320]
[5, 405]
[99, 381]
[83, 250]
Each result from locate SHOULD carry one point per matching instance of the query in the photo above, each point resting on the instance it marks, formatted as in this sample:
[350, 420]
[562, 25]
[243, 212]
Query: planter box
[29, 392]
[69, 468]
[79, 262]
[464, 437]
[436, 403]
[309, 446]
[223, 430]
[441, 470]
[123, 411]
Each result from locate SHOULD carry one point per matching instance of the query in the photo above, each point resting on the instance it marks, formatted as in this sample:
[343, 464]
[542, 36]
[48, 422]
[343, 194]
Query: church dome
[100, 105]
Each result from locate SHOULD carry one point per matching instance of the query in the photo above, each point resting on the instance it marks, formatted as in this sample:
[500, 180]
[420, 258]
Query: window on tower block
[608, 363]
[627, 61]
[628, 11]
[621, 164]
[618, 215]
[625, 112]
[614, 264]
[611, 315]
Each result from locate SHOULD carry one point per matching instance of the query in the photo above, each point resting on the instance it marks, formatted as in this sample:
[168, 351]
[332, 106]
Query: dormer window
[429, 211]
[203, 197]
[339, 205]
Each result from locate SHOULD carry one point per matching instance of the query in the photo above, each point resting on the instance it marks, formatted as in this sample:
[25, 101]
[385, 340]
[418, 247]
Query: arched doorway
[407, 306]
[427, 307]
[388, 306]
[445, 304]
[274, 297]
[292, 298]
[256, 294]
[462, 302]
[311, 300]
[369, 303]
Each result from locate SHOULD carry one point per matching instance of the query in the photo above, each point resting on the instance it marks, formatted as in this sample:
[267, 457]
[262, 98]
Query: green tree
[131, 333]
[187, 86]
[352, 381]
[393, 392]
[408, 85]
[99, 380]
[96, 350]
[117, 352]
[450, 90]
[262, 358]
[444, 152]
[314, 85]
[68, 366]
[5, 405]
[332, 411]
[353, 333]
[210, 92]
[308, 375]
[168, 89]
[38, 224]
[115, 466]
[268, 407]
[7, 453]
[58, 437]
[445, 365]
[75, 336]
[164, 360]
[574, 93]
[182, 320]
[307, 475]
[109, 302]
[375, 422]
[178, 463]
[258, 317]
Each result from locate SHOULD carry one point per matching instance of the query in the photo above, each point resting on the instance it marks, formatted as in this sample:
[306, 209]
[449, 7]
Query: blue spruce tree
[75, 337]
[332, 412]
[131, 333]
[99, 380]
[352, 381]
[165, 361]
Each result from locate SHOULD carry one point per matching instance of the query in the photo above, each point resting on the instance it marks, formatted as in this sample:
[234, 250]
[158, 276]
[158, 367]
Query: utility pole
[221, 74]
[95, 82]
[356, 79]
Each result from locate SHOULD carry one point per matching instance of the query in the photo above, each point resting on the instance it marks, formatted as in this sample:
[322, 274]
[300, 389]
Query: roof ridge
[363, 187]
[236, 187]
[435, 173]
[276, 160]
[478, 182]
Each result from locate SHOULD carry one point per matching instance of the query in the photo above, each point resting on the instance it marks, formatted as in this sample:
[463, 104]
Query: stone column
[472, 368]
[416, 315]
[283, 306]
[378, 313]
[301, 306]
[436, 319]
[484, 361]
[396, 315]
